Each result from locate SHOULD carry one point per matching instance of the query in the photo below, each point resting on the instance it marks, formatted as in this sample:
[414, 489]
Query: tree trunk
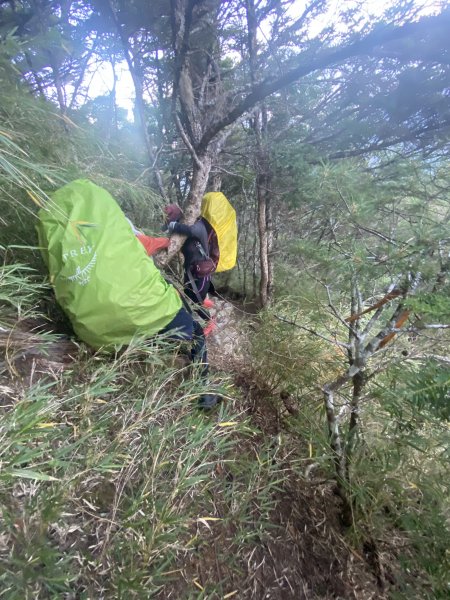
[200, 176]
[81, 77]
[59, 87]
[36, 76]
[263, 192]
[255, 262]
[140, 109]
[337, 447]
[114, 96]
[264, 282]
[216, 182]
[263, 170]
[359, 381]
[199, 182]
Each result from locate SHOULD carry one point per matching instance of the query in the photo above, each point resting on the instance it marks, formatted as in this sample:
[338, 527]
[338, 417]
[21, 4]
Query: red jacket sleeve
[152, 244]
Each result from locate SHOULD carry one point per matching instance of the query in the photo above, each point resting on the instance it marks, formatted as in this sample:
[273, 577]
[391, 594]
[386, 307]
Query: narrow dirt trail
[227, 343]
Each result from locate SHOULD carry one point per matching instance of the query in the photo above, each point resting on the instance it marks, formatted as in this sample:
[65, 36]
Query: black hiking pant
[187, 328]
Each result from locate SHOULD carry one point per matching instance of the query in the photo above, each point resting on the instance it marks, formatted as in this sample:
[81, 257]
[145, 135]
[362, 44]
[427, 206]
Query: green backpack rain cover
[103, 279]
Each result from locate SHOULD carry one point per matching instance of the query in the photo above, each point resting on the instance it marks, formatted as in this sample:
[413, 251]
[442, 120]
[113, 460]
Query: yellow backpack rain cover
[222, 217]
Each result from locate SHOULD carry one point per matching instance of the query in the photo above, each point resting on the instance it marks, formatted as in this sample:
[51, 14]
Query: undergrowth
[112, 482]
[399, 467]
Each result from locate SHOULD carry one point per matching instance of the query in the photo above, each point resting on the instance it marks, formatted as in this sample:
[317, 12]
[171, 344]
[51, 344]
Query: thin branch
[411, 136]
[374, 318]
[185, 139]
[338, 316]
[376, 233]
[375, 342]
[428, 326]
[313, 332]
[378, 312]
[436, 357]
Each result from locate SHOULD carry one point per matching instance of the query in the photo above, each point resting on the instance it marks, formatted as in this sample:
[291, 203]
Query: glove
[171, 226]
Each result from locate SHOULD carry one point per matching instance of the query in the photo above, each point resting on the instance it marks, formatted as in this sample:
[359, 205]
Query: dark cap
[173, 212]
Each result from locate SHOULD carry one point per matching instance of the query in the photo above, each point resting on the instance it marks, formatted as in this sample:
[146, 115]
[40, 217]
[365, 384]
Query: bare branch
[327, 58]
[428, 326]
[379, 311]
[436, 357]
[313, 332]
[185, 139]
[375, 342]
[338, 316]
[376, 233]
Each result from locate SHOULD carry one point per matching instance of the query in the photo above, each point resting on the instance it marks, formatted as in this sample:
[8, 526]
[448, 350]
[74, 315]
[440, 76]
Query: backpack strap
[194, 286]
[201, 249]
[205, 251]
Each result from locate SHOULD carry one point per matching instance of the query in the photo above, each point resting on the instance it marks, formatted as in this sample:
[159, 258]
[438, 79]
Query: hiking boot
[208, 401]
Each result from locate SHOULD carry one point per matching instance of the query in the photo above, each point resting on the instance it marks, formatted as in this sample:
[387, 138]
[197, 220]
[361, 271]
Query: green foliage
[109, 480]
[430, 390]
[19, 293]
[400, 476]
[398, 482]
[121, 455]
[431, 306]
[288, 359]
[418, 392]
[294, 360]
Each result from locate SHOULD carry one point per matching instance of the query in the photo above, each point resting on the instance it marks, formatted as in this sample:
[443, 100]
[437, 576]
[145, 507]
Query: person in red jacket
[186, 327]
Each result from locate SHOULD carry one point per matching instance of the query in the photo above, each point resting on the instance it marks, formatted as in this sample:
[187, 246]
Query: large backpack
[102, 277]
[220, 221]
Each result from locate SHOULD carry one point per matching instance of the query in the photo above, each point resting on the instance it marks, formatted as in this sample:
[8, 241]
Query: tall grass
[113, 483]
[111, 478]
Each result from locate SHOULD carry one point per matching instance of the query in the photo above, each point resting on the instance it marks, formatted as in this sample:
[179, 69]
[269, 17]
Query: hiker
[194, 250]
[197, 282]
[104, 280]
